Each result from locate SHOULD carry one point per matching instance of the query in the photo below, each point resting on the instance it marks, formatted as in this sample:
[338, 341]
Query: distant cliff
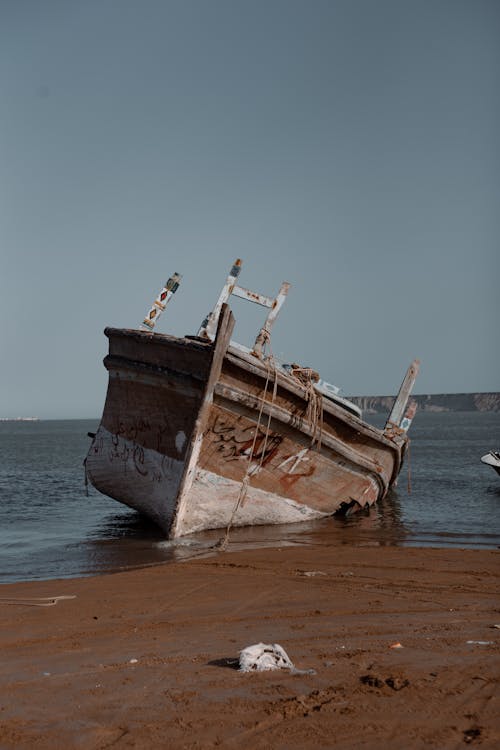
[433, 402]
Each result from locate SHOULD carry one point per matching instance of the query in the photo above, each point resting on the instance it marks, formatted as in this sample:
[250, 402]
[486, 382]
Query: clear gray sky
[350, 147]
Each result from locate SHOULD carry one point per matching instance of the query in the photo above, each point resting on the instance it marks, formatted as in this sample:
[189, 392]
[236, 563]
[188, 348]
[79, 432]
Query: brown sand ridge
[68, 679]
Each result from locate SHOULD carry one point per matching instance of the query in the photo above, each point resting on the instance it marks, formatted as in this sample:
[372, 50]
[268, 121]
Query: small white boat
[492, 459]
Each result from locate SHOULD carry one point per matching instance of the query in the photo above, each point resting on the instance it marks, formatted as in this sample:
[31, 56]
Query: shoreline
[69, 675]
[361, 533]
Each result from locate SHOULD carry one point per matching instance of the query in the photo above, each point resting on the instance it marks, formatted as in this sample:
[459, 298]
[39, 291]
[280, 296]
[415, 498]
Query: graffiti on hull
[235, 441]
[132, 458]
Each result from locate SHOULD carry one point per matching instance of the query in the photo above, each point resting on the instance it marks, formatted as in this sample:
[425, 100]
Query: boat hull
[198, 436]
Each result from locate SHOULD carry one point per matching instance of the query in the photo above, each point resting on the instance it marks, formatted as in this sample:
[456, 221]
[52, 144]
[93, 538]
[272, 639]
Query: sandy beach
[146, 658]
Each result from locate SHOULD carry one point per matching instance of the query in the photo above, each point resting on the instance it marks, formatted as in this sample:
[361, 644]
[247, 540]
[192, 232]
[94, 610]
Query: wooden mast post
[208, 328]
[398, 410]
[161, 301]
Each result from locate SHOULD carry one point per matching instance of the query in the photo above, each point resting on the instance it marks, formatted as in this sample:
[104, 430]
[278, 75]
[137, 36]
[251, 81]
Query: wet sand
[145, 659]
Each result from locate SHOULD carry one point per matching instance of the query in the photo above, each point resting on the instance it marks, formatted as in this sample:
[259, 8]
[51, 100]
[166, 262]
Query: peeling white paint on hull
[139, 477]
[212, 499]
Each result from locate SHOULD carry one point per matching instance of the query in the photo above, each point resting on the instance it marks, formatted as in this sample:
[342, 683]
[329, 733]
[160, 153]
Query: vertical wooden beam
[209, 325]
[161, 301]
[265, 332]
[408, 417]
[398, 409]
[222, 339]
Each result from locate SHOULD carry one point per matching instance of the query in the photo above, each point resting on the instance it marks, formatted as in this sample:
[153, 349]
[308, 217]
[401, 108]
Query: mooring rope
[86, 478]
[314, 416]
[392, 431]
[250, 470]
[408, 484]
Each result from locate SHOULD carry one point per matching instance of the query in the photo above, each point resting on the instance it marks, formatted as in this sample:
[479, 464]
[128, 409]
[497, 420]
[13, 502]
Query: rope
[408, 485]
[314, 413]
[265, 337]
[41, 601]
[86, 478]
[268, 426]
[393, 431]
[245, 483]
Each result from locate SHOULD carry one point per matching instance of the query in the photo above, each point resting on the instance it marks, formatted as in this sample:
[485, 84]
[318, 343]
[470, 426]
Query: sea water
[51, 528]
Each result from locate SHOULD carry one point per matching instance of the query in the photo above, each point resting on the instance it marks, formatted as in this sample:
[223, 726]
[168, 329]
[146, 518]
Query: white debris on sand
[262, 657]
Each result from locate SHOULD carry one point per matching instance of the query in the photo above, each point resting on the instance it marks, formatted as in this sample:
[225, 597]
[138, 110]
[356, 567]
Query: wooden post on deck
[161, 301]
[398, 409]
[265, 332]
[209, 326]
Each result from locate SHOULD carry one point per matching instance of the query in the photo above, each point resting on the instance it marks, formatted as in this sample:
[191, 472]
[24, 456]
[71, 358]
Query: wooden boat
[199, 432]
